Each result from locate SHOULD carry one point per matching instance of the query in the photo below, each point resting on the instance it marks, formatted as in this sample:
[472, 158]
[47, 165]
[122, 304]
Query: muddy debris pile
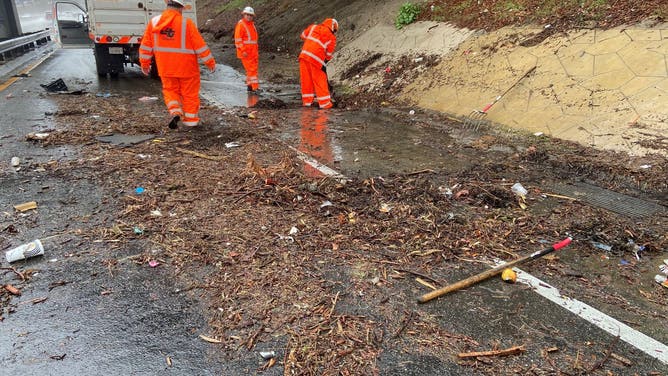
[324, 271]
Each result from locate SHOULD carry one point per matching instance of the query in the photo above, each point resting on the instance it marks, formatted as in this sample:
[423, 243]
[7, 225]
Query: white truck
[115, 28]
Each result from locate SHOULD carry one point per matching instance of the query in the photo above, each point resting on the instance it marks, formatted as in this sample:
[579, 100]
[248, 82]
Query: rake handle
[492, 272]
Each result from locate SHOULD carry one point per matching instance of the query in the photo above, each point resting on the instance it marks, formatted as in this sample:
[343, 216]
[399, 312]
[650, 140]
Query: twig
[600, 363]
[418, 274]
[23, 278]
[511, 351]
[425, 171]
[405, 323]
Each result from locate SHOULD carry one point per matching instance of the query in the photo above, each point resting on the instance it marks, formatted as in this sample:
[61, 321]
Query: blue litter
[139, 190]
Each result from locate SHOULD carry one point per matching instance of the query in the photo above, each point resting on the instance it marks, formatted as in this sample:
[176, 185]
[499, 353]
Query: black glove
[324, 69]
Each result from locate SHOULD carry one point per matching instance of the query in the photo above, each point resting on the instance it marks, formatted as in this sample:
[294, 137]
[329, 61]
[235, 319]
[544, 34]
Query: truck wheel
[101, 61]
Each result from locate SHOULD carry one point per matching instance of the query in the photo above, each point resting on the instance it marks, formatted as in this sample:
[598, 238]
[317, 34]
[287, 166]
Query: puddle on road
[364, 143]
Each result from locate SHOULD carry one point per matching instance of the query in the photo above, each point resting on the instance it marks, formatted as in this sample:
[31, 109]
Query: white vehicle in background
[114, 28]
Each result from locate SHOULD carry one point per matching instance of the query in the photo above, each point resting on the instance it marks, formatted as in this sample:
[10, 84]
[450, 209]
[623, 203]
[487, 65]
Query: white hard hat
[248, 10]
[180, 2]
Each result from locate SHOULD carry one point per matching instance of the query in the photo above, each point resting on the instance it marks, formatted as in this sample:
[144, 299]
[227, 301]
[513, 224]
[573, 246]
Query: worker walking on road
[176, 44]
[245, 39]
[318, 49]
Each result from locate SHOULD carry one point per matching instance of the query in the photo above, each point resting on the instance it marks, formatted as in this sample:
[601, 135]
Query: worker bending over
[319, 44]
[176, 44]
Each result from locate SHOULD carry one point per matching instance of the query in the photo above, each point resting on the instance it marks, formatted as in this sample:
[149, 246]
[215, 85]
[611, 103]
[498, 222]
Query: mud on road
[325, 272]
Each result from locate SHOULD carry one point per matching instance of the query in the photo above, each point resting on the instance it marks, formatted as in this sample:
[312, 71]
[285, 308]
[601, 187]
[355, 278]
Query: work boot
[175, 122]
[249, 88]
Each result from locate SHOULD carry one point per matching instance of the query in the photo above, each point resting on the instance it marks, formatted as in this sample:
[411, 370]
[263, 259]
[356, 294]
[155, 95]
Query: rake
[476, 117]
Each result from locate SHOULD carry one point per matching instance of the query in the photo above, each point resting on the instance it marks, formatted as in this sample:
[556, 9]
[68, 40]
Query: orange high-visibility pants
[181, 96]
[251, 67]
[314, 85]
[314, 140]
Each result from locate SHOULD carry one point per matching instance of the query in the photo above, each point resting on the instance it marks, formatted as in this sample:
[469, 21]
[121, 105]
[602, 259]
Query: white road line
[646, 344]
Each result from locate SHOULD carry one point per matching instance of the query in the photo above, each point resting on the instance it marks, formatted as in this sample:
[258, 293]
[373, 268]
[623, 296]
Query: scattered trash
[156, 213]
[139, 190]
[509, 275]
[662, 280]
[36, 136]
[26, 206]
[103, 95]
[24, 251]
[602, 246]
[294, 230]
[646, 166]
[325, 204]
[266, 355]
[252, 115]
[411, 112]
[664, 267]
[153, 263]
[55, 86]
[635, 248]
[148, 99]
[385, 208]
[538, 134]
[624, 262]
[231, 145]
[15, 161]
[519, 190]
[418, 59]
[9, 96]
[137, 230]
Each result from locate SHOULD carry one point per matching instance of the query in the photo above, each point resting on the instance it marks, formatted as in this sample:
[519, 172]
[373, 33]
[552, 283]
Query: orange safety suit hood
[166, 19]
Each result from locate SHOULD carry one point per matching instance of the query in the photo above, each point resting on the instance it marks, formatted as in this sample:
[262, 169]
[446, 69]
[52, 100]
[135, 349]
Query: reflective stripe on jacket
[176, 44]
[319, 44]
[246, 39]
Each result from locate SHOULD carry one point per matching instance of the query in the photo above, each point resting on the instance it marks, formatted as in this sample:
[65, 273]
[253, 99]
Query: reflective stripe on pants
[313, 79]
[184, 90]
[251, 67]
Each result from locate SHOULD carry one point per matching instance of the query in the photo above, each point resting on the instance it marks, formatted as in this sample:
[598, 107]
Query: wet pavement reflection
[314, 139]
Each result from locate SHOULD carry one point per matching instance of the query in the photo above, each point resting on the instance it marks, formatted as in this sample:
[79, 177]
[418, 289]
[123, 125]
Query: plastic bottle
[24, 251]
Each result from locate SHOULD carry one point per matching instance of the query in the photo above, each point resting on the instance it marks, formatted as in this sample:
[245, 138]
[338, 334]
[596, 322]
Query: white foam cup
[28, 250]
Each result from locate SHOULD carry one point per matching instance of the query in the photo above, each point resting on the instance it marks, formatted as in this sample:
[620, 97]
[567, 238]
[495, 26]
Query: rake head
[475, 119]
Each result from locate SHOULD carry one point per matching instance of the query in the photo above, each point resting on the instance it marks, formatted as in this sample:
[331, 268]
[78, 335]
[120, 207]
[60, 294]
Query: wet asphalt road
[131, 319]
[96, 320]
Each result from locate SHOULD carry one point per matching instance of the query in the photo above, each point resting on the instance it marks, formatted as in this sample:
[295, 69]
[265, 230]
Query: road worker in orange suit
[319, 45]
[176, 44]
[245, 39]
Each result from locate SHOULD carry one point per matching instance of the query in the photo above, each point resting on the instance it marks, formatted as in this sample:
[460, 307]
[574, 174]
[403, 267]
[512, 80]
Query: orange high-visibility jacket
[176, 44]
[245, 38]
[319, 44]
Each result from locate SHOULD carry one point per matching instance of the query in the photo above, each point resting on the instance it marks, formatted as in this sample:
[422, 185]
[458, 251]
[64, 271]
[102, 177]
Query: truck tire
[101, 63]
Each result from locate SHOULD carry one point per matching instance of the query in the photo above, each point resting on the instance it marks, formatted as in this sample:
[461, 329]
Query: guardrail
[21, 43]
